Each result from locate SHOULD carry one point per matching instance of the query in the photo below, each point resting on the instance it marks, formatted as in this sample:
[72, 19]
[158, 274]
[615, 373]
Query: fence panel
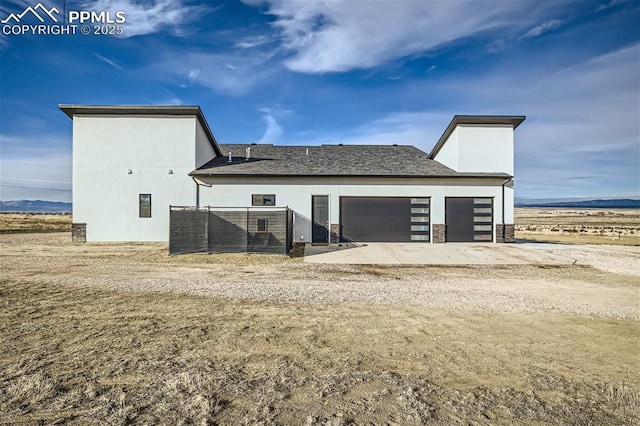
[230, 230]
[267, 231]
[187, 230]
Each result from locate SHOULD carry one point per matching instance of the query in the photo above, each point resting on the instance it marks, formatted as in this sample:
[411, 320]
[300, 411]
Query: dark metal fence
[230, 230]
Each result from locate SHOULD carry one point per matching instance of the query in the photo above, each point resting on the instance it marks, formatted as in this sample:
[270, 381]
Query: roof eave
[261, 175]
[513, 120]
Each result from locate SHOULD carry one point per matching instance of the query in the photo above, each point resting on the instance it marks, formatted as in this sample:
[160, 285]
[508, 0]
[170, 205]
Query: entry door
[459, 219]
[320, 218]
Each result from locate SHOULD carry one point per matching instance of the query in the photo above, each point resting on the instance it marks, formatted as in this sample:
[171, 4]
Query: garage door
[469, 219]
[384, 219]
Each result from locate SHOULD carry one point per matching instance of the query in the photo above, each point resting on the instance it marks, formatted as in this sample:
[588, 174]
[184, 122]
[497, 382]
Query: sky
[350, 71]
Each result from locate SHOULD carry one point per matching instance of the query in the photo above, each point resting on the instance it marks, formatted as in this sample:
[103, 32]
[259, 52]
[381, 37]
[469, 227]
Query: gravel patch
[575, 289]
[615, 259]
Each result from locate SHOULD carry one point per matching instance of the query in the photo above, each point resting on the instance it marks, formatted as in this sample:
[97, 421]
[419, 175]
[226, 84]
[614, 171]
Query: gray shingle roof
[328, 160]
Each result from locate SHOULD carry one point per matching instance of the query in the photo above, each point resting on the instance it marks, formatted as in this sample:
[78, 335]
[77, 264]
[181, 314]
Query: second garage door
[384, 219]
[469, 219]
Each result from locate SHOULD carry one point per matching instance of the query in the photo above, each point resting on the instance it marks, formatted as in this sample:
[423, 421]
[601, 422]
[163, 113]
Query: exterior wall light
[170, 171]
[130, 172]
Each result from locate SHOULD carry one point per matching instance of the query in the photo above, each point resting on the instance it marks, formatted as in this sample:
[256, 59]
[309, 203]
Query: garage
[384, 219]
[469, 219]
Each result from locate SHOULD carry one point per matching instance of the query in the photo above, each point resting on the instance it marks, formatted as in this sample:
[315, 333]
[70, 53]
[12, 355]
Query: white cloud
[335, 36]
[496, 46]
[149, 17]
[542, 28]
[108, 62]
[418, 128]
[172, 99]
[253, 41]
[41, 171]
[581, 137]
[273, 132]
[193, 75]
[231, 74]
[610, 4]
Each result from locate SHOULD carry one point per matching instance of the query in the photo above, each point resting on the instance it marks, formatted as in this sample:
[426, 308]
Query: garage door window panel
[483, 219]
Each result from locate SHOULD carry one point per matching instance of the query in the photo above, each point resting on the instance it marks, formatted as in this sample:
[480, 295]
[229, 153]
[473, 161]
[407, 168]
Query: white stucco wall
[485, 148]
[296, 193]
[479, 148]
[448, 154]
[508, 206]
[105, 194]
[204, 150]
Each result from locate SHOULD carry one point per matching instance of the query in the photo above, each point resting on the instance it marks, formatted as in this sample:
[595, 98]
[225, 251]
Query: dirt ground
[124, 334]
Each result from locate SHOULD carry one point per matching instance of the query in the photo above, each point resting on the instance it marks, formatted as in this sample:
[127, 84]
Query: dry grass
[579, 226]
[11, 223]
[72, 351]
[88, 355]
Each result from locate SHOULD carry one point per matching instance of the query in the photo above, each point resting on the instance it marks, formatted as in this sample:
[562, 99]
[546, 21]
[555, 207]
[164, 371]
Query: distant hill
[625, 203]
[34, 206]
[39, 206]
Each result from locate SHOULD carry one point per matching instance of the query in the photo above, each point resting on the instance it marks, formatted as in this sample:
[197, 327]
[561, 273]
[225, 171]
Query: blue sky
[353, 72]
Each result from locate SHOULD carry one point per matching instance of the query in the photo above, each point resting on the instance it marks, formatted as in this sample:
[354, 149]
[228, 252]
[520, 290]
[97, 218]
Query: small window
[482, 219]
[263, 200]
[419, 201]
[482, 200]
[263, 225]
[482, 210]
[482, 237]
[145, 205]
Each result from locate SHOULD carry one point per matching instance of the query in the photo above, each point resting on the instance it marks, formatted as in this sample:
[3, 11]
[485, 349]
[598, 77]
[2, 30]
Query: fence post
[206, 228]
[246, 240]
[288, 232]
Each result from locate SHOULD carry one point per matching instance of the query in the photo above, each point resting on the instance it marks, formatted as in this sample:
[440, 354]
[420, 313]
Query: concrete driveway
[437, 254]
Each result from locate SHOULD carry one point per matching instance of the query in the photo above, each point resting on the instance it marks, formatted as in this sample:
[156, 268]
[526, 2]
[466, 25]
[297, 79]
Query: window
[263, 225]
[145, 205]
[420, 210]
[263, 200]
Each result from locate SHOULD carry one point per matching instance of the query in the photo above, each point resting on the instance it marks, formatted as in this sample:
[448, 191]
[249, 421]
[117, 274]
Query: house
[131, 163]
